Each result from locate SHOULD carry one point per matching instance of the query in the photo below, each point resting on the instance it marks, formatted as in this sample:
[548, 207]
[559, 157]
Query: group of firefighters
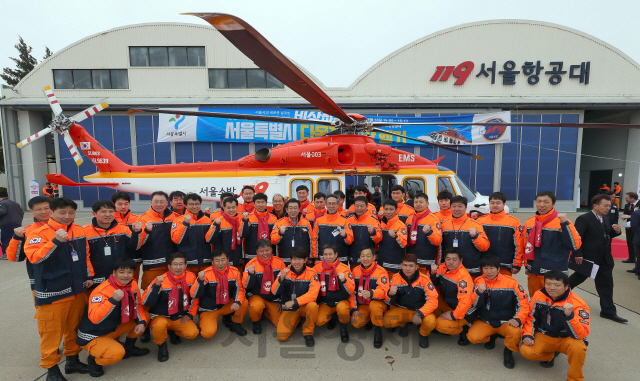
[391, 267]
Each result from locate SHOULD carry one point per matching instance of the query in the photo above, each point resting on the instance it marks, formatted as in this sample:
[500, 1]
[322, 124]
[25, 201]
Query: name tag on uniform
[293, 243]
[613, 210]
[74, 256]
[455, 243]
[336, 233]
[107, 250]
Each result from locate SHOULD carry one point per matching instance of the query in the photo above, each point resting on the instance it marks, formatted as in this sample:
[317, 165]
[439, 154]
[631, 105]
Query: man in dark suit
[635, 226]
[614, 213]
[596, 232]
[631, 200]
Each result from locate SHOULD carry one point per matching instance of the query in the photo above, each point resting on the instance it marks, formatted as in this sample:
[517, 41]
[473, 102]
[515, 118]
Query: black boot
[174, 339]
[462, 341]
[404, 331]
[377, 337]
[95, 370]
[509, 362]
[226, 321]
[368, 326]
[238, 329]
[257, 327]
[130, 349]
[344, 333]
[54, 374]
[146, 336]
[492, 342]
[73, 365]
[332, 323]
[424, 341]
[163, 352]
[308, 339]
[549, 364]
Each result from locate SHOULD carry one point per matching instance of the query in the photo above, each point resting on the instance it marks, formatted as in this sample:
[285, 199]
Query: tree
[47, 53]
[24, 63]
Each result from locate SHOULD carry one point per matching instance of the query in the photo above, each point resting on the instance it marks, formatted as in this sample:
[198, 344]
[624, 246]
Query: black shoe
[492, 342]
[95, 370]
[368, 326]
[130, 349]
[404, 331]
[54, 374]
[629, 261]
[257, 327]
[424, 341]
[308, 339]
[549, 364]
[462, 341]
[146, 336]
[377, 337]
[633, 271]
[332, 323]
[174, 339]
[509, 362]
[344, 333]
[73, 365]
[238, 329]
[615, 318]
[163, 352]
[226, 320]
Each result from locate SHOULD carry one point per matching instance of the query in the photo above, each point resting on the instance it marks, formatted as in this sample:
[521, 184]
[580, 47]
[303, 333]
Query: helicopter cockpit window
[296, 183]
[328, 186]
[445, 183]
[413, 183]
[466, 192]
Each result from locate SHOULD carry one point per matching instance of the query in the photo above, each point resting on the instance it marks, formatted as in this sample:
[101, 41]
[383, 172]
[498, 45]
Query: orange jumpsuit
[191, 240]
[505, 234]
[427, 246]
[340, 301]
[48, 191]
[472, 248]
[392, 249]
[325, 231]
[260, 297]
[455, 294]
[250, 233]
[313, 214]
[221, 236]
[418, 296]
[121, 242]
[303, 290]
[404, 212]
[553, 331]
[379, 286]
[15, 250]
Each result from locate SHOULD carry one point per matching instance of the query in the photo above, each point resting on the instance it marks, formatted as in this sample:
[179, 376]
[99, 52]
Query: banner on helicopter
[184, 128]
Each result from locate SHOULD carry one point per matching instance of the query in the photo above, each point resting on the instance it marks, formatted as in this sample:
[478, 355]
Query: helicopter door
[414, 183]
[300, 181]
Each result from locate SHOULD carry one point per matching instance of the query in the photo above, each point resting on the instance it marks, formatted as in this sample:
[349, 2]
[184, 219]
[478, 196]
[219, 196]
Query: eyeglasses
[332, 203]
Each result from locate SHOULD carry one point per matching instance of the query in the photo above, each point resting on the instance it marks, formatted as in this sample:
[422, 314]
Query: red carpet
[619, 249]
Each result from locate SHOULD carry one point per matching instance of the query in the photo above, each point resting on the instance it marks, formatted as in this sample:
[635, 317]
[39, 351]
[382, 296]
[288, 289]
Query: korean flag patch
[96, 299]
[33, 241]
[583, 314]
[174, 225]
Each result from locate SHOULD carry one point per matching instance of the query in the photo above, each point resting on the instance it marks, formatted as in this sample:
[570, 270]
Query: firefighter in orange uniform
[336, 291]
[291, 231]
[506, 233]
[176, 202]
[558, 322]
[341, 198]
[332, 228]
[466, 234]
[366, 230]
[361, 191]
[258, 278]
[278, 206]
[124, 217]
[372, 284]
[391, 248]
[455, 296]
[62, 272]
[56, 191]
[617, 190]
[317, 209]
[218, 213]
[502, 306]
[115, 309]
[413, 298]
[297, 287]
[444, 203]
[259, 226]
[604, 189]
[302, 193]
[424, 235]
[226, 232]
[189, 233]
[247, 199]
[39, 207]
[48, 190]
[404, 211]
[548, 239]
[219, 291]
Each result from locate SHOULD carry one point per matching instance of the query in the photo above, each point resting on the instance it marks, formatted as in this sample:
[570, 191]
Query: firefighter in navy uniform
[189, 233]
[259, 226]
[365, 227]
[291, 231]
[361, 191]
[226, 232]
[124, 216]
[424, 236]
[48, 190]
[176, 202]
[331, 229]
[391, 248]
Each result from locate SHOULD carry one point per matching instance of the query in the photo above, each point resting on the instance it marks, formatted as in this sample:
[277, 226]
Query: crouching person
[372, 283]
[502, 307]
[297, 287]
[258, 278]
[413, 299]
[170, 305]
[558, 322]
[219, 292]
[115, 309]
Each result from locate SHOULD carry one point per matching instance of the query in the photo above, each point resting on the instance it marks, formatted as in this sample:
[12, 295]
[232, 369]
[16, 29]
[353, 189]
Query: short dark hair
[291, 201]
[120, 195]
[194, 197]
[597, 199]
[263, 243]
[329, 246]
[557, 275]
[218, 253]
[160, 193]
[260, 196]
[498, 196]
[225, 195]
[411, 193]
[445, 195]
[547, 194]
[228, 200]
[367, 247]
[460, 199]
[177, 194]
[61, 203]
[332, 195]
[302, 187]
[490, 260]
[124, 263]
[340, 194]
[422, 195]
[633, 195]
[410, 258]
[277, 195]
[361, 198]
[319, 195]
[390, 202]
[176, 254]
[247, 187]
[102, 204]
[38, 200]
[453, 250]
[299, 252]
[361, 188]
[616, 183]
[610, 193]
[397, 187]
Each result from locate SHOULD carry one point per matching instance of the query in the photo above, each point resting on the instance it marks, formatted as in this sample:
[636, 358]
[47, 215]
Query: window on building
[167, 56]
[242, 79]
[91, 79]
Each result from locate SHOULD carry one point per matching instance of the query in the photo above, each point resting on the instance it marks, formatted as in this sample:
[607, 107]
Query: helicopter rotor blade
[515, 124]
[34, 137]
[91, 111]
[53, 101]
[429, 143]
[255, 46]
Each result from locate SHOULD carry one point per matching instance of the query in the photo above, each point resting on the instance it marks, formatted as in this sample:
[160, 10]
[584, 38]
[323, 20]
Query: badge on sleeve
[350, 276]
[431, 287]
[96, 299]
[33, 241]
[521, 228]
[462, 284]
[174, 225]
[403, 231]
[438, 226]
[583, 314]
[520, 288]
[315, 277]
[383, 280]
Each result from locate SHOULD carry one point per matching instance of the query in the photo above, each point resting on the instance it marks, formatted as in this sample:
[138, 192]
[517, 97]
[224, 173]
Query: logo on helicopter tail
[493, 133]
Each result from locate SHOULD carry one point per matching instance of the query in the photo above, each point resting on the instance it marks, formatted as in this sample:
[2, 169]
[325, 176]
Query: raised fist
[392, 233]
[482, 287]
[118, 295]
[207, 210]
[282, 230]
[341, 277]
[20, 232]
[371, 229]
[187, 218]
[284, 273]
[137, 227]
[568, 308]
[434, 269]
[245, 216]
[426, 229]
[201, 275]
[61, 235]
[159, 280]
[251, 269]
[148, 226]
[562, 217]
[393, 290]
[473, 232]
[217, 221]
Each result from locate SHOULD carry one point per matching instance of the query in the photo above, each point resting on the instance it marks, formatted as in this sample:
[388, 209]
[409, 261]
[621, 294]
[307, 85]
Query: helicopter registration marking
[311, 154]
[100, 160]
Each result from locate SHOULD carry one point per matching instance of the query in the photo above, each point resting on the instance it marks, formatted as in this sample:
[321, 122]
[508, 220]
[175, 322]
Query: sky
[336, 40]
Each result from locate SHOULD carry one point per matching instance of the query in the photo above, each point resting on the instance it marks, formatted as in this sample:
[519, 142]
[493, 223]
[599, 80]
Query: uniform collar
[94, 223]
[562, 297]
[165, 213]
[363, 216]
[445, 212]
[543, 217]
[260, 214]
[497, 216]
[56, 225]
[194, 217]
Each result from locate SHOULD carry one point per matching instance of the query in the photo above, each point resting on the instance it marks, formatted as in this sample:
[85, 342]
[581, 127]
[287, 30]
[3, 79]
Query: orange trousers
[448, 327]
[398, 316]
[480, 332]
[106, 349]
[209, 319]
[543, 349]
[258, 306]
[59, 321]
[149, 276]
[160, 325]
[289, 321]
[373, 312]
[325, 312]
[535, 283]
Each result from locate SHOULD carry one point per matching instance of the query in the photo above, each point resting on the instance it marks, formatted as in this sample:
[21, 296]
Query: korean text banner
[182, 128]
